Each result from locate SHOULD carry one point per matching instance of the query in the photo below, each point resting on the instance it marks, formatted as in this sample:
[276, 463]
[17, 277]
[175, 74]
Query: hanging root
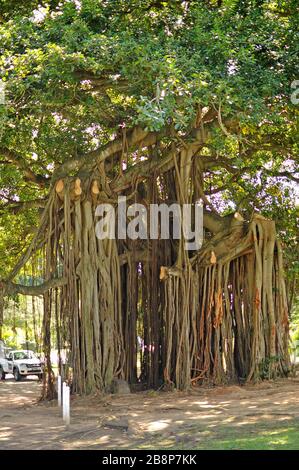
[217, 317]
[228, 320]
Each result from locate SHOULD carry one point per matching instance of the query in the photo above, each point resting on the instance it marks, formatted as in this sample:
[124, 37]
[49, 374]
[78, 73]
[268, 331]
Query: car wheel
[17, 375]
[2, 373]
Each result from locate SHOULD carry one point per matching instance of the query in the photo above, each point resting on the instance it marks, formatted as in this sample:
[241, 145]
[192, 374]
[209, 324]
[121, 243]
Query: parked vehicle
[20, 363]
[3, 362]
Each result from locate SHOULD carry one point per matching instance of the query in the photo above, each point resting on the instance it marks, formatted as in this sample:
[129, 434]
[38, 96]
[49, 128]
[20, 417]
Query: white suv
[21, 363]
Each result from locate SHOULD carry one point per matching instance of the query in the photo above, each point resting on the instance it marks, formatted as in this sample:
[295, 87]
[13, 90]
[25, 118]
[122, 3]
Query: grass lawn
[264, 436]
[268, 439]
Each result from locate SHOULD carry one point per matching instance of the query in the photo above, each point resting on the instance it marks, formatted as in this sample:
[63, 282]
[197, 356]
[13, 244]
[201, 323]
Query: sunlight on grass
[282, 438]
[228, 438]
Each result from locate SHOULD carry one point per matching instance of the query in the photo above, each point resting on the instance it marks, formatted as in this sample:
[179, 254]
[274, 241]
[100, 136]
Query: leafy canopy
[78, 72]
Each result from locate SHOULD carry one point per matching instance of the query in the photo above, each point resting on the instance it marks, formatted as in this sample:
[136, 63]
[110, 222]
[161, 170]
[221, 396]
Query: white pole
[66, 404]
[295, 352]
[63, 400]
[59, 389]
[67, 412]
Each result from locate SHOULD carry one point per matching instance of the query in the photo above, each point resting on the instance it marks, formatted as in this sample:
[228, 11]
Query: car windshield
[24, 355]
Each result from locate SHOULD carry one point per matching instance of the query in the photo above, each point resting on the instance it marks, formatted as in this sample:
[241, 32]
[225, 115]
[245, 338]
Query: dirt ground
[147, 420]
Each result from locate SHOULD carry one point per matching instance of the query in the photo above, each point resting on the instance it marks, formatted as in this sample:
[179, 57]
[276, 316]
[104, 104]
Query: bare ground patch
[169, 420]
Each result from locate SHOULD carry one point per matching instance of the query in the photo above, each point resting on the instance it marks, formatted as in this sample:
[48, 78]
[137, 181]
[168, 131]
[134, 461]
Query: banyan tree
[158, 119]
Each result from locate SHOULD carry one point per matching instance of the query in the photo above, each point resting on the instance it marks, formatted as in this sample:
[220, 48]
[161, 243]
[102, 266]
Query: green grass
[264, 436]
[272, 439]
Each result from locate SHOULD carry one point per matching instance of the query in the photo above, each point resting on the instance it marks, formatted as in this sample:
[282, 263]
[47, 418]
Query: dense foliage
[78, 72]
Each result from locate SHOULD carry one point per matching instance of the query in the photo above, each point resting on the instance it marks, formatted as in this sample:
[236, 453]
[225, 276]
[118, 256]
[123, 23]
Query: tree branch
[20, 162]
[17, 206]
[10, 288]
[135, 137]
